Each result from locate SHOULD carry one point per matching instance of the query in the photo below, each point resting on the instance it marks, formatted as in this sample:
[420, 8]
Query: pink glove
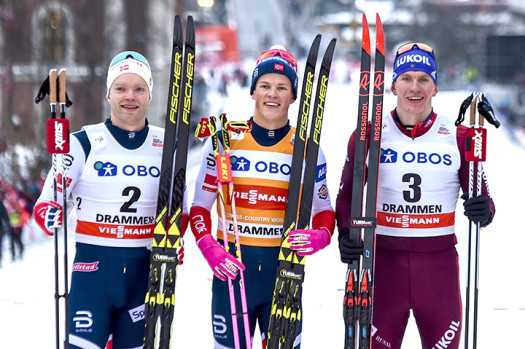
[308, 241]
[48, 215]
[223, 264]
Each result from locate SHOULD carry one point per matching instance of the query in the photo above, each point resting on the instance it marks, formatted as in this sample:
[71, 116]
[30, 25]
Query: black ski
[358, 299]
[160, 296]
[286, 305]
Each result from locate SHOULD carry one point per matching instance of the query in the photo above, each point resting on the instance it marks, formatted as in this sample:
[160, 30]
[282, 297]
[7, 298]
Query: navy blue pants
[261, 266]
[108, 288]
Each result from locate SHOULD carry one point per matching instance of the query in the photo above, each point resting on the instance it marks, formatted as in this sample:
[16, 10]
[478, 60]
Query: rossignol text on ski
[358, 298]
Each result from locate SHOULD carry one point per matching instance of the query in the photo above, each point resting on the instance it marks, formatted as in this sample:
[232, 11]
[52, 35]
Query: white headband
[129, 64]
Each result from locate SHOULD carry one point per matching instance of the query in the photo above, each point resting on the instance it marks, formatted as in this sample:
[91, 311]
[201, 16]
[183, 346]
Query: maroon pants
[426, 283]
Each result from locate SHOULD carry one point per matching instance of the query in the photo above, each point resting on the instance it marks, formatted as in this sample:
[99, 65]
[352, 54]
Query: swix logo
[475, 145]
[478, 144]
[448, 337]
[240, 163]
[85, 267]
[59, 136]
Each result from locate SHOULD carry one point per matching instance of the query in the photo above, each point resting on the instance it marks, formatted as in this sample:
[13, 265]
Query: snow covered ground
[27, 287]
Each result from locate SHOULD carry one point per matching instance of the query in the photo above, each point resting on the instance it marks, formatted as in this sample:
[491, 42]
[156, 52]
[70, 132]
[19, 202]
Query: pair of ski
[475, 154]
[58, 146]
[285, 317]
[358, 297]
[208, 127]
[160, 296]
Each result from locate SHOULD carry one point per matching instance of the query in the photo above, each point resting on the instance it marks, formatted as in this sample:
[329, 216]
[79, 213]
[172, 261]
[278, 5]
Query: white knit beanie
[129, 62]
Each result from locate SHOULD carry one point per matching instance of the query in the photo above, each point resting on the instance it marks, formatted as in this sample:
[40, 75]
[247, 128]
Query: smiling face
[129, 100]
[273, 95]
[414, 91]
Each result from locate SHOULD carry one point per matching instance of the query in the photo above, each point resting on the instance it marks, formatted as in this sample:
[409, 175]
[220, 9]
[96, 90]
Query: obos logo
[108, 169]
[105, 169]
[388, 156]
[240, 163]
[391, 156]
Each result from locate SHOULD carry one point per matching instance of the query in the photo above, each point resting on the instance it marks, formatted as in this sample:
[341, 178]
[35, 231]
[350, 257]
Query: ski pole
[475, 154]
[237, 127]
[58, 145]
[224, 176]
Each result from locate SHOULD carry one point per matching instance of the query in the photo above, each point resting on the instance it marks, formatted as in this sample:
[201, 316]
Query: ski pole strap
[485, 109]
[45, 89]
[202, 131]
[239, 126]
[463, 109]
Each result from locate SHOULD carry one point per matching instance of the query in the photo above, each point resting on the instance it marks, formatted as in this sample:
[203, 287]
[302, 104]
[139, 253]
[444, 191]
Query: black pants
[16, 242]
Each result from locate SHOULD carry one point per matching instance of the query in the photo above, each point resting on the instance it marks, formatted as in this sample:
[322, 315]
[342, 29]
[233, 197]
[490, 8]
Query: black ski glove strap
[350, 250]
[477, 209]
[44, 91]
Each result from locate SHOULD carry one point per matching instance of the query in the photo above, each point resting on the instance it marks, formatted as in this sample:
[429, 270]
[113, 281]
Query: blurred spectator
[18, 217]
[5, 225]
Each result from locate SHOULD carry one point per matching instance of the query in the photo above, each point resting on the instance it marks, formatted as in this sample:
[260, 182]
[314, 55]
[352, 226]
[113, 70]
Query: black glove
[350, 250]
[477, 209]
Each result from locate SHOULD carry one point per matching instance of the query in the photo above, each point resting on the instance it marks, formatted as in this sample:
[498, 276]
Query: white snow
[27, 317]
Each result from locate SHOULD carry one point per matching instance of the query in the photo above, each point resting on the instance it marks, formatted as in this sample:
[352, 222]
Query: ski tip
[177, 31]
[327, 58]
[380, 37]
[366, 36]
[190, 32]
[314, 49]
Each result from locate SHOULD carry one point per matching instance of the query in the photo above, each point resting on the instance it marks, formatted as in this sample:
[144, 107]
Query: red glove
[48, 216]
